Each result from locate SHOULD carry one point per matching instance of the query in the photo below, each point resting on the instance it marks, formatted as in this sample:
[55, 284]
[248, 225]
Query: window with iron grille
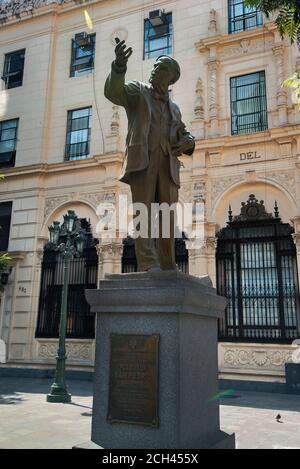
[5, 219]
[248, 103]
[14, 69]
[83, 275]
[129, 261]
[83, 54]
[158, 40]
[257, 273]
[78, 134]
[242, 17]
[8, 142]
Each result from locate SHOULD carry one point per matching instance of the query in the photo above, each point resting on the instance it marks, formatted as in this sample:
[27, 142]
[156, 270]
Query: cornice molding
[99, 161]
[207, 43]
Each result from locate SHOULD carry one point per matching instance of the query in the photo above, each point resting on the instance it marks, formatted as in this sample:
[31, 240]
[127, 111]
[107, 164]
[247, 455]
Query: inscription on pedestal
[133, 387]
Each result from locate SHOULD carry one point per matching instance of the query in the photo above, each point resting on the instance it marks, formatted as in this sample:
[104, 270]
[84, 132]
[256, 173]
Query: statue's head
[166, 71]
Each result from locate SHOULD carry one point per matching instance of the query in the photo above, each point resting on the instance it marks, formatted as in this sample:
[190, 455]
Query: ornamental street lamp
[73, 245]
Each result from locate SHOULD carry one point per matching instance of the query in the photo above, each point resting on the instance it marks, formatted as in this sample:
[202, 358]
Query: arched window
[257, 272]
[83, 275]
[129, 262]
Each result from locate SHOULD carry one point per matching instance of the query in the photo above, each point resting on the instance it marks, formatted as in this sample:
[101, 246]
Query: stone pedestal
[177, 379]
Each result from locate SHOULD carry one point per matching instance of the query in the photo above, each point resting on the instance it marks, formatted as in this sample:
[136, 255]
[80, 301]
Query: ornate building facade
[62, 146]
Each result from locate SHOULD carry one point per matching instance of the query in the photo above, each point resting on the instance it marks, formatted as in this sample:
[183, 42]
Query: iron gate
[129, 262]
[257, 272]
[83, 275]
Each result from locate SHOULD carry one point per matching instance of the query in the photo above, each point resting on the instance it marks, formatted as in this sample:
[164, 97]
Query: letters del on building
[62, 146]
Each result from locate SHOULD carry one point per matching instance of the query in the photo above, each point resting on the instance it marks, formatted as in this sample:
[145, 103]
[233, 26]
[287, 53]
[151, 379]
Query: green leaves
[4, 262]
[288, 15]
[294, 83]
[288, 22]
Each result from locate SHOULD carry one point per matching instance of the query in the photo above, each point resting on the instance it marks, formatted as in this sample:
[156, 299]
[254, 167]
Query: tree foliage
[287, 15]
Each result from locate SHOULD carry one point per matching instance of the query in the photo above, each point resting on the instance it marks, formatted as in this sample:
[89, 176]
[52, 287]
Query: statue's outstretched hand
[122, 53]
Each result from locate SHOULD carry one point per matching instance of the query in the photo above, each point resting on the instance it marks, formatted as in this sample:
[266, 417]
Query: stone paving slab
[28, 421]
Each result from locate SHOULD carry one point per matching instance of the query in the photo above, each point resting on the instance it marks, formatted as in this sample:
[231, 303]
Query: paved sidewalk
[28, 421]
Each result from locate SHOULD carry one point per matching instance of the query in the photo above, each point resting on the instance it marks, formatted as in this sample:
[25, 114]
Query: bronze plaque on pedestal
[133, 387]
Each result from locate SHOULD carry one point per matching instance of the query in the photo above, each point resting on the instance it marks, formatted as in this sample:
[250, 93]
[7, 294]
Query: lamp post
[73, 245]
[4, 276]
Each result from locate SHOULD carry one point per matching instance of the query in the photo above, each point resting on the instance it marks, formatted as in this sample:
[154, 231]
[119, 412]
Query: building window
[83, 275]
[5, 218]
[158, 35]
[13, 69]
[78, 134]
[83, 54]
[242, 18]
[248, 104]
[8, 142]
[257, 273]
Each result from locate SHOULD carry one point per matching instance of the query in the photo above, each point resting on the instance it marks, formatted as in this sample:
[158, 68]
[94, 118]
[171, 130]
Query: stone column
[278, 51]
[31, 350]
[296, 238]
[110, 258]
[198, 123]
[202, 258]
[197, 259]
[211, 246]
[213, 95]
[112, 143]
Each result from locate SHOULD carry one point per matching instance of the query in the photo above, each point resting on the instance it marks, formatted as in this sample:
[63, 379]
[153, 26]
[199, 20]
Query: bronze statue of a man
[156, 137]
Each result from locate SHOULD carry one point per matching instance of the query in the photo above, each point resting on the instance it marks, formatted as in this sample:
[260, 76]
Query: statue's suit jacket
[135, 98]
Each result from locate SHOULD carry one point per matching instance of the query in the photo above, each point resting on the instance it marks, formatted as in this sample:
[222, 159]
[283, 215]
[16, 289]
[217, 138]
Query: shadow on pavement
[12, 386]
[260, 400]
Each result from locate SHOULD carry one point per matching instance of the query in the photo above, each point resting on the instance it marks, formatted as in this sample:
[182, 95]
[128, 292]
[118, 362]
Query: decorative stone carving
[76, 351]
[255, 357]
[246, 47]
[52, 204]
[199, 103]
[110, 249]
[286, 178]
[94, 198]
[296, 238]
[199, 111]
[113, 138]
[115, 122]
[212, 28]
[213, 95]
[200, 192]
[279, 55]
[185, 193]
[221, 185]
[10, 8]
[212, 72]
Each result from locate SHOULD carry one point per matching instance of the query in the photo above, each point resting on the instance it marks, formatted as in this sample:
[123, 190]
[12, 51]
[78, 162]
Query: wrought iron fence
[83, 275]
[257, 273]
[129, 262]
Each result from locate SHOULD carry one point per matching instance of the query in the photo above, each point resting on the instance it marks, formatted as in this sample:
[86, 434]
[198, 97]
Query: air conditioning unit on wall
[82, 39]
[157, 18]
